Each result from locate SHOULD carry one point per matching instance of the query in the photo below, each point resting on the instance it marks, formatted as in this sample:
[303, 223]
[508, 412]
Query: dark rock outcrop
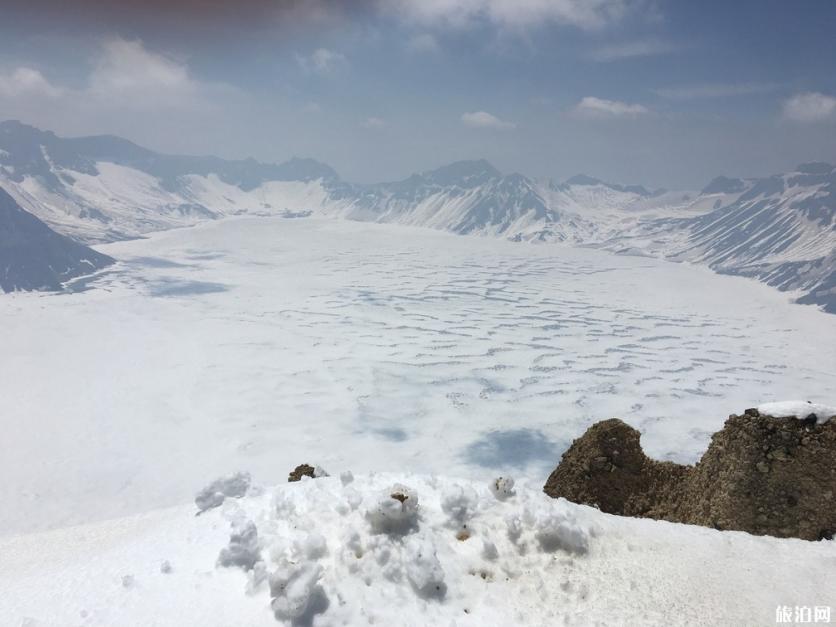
[608, 469]
[763, 475]
[302, 470]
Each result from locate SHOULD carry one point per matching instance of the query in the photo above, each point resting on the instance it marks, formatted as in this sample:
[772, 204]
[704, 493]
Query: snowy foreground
[343, 551]
[260, 343]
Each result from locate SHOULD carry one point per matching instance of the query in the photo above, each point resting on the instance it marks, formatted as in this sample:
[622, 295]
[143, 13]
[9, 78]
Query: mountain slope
[102, 189]
[466, 197]
[33, 257]
[789, 217]
[780, 230]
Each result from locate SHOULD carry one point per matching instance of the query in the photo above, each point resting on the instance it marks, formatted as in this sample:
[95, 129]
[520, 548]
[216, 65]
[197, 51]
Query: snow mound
[797, 409]
[337, 547]
[337, 552]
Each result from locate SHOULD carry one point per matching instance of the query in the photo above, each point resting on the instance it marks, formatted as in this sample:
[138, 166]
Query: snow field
[260, 343]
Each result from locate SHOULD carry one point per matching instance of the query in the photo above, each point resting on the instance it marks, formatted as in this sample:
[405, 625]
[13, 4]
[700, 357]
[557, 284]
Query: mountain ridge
[780, 229]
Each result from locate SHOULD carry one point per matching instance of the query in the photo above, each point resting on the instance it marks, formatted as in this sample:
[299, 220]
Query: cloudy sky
[663, 93]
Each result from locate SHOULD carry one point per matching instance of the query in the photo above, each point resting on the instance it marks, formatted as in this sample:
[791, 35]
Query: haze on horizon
[667, 94]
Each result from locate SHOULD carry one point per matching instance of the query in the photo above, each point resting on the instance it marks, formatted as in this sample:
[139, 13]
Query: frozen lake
[258, 344]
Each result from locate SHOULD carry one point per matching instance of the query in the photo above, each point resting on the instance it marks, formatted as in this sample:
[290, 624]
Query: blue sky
[634, 91]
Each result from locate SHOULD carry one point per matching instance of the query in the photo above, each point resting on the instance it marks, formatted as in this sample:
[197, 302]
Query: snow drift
[344, 551]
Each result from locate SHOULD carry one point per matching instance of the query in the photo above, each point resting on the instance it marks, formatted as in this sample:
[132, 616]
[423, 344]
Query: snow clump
[556, 532]
[424, 570]
[213, 495]
[243, 550]
[503, 488]
[394, 511]
[295, 591]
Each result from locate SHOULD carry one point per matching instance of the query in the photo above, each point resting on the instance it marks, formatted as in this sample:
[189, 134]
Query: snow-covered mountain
[34, 257]
[779, 229]
[607, 210]
[101, 189]
[466, 197]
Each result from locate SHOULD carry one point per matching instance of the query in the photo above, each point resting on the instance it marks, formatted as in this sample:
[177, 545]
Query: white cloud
[321, 61]
[423, 43]
[514, 14]
[713, 90]
[25, 81]
[592, 107]
[128, 87]
[128, 74]
[810, 107]
[483, 119]
[125, 75]
[631, 50]
[374, 122]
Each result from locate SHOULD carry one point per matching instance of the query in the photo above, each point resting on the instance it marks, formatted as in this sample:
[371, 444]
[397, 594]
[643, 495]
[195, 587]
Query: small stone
[762, 467]
[780, 455]
[302, 470]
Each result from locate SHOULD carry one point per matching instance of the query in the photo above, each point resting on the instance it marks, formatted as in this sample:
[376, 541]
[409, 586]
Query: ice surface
[371, 347]
[798, 409]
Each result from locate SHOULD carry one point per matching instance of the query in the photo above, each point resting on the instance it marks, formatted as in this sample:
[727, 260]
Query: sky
[662, 93]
